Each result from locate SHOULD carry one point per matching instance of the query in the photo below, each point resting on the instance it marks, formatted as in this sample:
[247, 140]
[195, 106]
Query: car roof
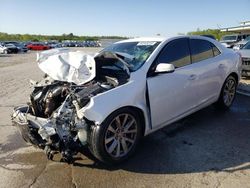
[161, 39]
[142, 39]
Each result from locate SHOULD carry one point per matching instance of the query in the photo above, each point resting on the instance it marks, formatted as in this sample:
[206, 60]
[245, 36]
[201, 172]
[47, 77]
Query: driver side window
[176, 52]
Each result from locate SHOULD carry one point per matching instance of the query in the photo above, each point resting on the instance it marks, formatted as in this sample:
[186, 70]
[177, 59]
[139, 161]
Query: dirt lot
[209, 149]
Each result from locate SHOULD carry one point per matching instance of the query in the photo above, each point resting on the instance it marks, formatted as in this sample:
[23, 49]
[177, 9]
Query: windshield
[230, 37]
[247, 39]
[135, 53]
[10, 45]
[247, 46]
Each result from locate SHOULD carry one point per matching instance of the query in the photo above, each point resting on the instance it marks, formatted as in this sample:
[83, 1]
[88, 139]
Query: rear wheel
[228, 93]
[116, 138]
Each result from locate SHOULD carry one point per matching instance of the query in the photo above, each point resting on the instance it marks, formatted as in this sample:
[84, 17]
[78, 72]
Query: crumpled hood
[65, 65]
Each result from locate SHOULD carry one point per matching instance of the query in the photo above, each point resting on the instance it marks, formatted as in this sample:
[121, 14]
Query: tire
[228, 93]
[110, 143]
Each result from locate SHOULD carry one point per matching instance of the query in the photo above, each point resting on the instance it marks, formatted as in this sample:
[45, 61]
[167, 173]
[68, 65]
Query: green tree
[215, 32]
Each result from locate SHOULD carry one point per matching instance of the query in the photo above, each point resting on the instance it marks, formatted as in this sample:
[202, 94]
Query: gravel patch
[244, 87]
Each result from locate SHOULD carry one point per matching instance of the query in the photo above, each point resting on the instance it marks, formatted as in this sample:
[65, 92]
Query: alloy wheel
[121, 135]
[229, 92]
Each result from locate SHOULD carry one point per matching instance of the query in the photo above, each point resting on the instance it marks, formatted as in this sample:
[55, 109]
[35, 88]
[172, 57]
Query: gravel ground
[208, 149]
[244, 85]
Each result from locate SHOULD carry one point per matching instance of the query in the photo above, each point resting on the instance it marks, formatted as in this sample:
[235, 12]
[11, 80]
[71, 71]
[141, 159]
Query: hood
[227, 41]
[245, 53]
[242, 42]
[65, 65]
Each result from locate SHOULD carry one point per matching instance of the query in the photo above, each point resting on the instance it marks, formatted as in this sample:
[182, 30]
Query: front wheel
[228, 93]
[116, 138]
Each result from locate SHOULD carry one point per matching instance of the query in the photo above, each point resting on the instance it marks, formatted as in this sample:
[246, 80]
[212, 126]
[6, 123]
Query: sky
[129, 18]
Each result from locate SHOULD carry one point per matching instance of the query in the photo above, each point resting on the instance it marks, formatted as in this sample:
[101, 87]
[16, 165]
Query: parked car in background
[54, 44]
[245, 54]
[92, 43]
[20, 46]
[38, 46]
[8, 48]
[79, 44]
[164, 80]
[26, 43]
[230, 40]
[240, 44]
[68, 44]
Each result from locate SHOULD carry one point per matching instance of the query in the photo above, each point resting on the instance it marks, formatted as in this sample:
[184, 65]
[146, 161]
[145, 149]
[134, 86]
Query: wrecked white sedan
[128, 90]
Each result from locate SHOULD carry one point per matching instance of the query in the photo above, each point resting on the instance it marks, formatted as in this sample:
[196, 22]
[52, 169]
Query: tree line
[36, 38]
[215, 32]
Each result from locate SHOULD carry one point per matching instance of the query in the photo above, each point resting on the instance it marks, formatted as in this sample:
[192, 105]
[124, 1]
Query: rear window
[200, 50]
[216, 51]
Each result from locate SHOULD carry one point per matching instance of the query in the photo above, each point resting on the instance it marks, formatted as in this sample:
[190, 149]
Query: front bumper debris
[41, 133]
[27, 129]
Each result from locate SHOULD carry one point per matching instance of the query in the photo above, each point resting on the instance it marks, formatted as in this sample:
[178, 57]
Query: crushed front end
[50, 120]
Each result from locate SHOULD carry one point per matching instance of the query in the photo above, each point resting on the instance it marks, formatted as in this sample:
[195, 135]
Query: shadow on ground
[209, 140]
[5, 55]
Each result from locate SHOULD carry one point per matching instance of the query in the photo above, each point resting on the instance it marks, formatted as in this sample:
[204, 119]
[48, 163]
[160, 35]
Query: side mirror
[164, 68]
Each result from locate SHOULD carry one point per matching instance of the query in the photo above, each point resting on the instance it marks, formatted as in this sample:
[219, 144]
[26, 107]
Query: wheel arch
[136, 109]
[220, 103]
[235, 75]
[141, 114]
[96, 135]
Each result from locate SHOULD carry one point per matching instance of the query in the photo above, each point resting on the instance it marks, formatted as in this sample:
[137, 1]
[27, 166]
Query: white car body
[130, 89]
[186, 90]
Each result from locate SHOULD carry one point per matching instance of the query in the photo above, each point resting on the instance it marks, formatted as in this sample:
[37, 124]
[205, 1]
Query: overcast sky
[124, 18]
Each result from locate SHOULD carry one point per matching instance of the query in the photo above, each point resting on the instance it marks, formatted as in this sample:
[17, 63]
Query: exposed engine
[50, 119]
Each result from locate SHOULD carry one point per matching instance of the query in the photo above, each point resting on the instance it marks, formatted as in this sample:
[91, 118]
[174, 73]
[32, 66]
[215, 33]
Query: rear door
[208, 67]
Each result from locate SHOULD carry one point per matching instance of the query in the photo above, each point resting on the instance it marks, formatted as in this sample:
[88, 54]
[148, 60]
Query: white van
[230, 40]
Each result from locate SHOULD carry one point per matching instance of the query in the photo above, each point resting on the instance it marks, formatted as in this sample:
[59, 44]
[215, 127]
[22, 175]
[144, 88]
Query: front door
[172, 94]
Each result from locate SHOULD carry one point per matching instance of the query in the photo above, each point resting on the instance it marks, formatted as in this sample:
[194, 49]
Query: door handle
[192, 77]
